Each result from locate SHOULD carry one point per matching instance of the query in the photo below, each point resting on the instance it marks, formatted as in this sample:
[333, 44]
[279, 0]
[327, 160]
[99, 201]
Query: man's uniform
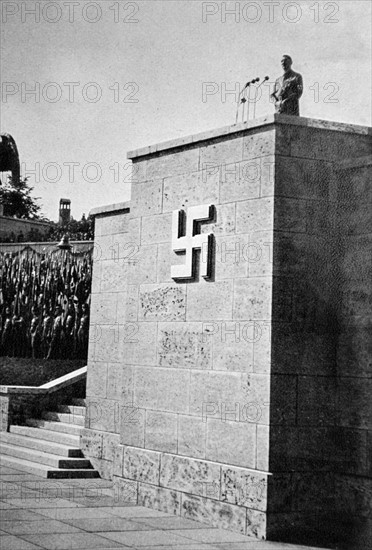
[288, 87]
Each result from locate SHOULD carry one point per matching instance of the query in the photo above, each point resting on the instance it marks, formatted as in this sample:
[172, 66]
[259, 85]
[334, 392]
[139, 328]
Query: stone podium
[238, 395]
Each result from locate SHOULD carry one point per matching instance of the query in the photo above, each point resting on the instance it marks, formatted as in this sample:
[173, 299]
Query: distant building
[64, 211]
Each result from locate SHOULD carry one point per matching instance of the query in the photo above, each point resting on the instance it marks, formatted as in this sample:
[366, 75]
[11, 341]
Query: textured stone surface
[159, 498]
[184, 345]
[141, 465]
[161, 389]
[189, 475]
[161, 431]
[217, 514]
[231, 442]
[209, 301]
[162, 303]
[244, 488]
[191, 436]
[91, 443]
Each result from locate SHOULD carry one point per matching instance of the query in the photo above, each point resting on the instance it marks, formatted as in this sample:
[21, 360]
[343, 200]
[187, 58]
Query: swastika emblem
[186, 238]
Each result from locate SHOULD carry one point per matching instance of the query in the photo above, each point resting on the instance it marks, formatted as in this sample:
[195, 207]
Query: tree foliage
[18, 201]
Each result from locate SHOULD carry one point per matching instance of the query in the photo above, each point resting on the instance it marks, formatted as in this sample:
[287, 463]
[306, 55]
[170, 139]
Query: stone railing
[21, 402]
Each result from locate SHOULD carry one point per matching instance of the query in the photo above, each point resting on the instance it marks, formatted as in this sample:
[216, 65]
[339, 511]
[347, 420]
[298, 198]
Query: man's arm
[300, 86]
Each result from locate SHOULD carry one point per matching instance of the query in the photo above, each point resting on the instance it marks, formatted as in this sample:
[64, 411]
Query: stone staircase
[49, 447]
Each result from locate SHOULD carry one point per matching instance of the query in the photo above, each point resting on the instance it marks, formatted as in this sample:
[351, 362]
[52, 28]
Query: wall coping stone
[49, 387]
[267, 120]
[110, 209]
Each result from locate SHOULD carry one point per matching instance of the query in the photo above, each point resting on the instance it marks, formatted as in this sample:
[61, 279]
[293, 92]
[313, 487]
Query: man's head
[286, 62]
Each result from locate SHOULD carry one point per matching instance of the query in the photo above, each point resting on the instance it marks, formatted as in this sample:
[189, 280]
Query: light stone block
[216, 394]
[107, 342]
[103, 249]
[143, 268]
[96, 274]
[141, 465]
[259, 144]
[146, 198]
[230, 396]
[224, 223]
[103, 308]
[103, 415]
[115, 381]
[232, 257]
[191, 436]
[97, 379]
[256, 524]
[132, 425]
[241, 180]
[184, 345]
[113, 224]
[260, 254]
[162, 302]
[231, 442]
[214, 513]
[267, 187]
[156, 229]
[255, 215]
[171, 164]
[252, 298]
[114, 276]
[187, 475]
[125, 491]
[161, 431]
[161, 389]
[118, 460]
[110, 443]
[221, 152]
[138, 344]
[207, 301]
[262, 447]
[191, 189]
[127, 305]
[244, 487]
[233, 345]
[159, 498]
[91, 443]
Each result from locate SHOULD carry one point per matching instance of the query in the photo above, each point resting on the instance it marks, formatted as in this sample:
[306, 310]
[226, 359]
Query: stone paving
[84, 514]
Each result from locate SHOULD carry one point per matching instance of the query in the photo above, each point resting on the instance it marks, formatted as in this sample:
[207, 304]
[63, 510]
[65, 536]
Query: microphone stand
[240, 101]
[256, 90]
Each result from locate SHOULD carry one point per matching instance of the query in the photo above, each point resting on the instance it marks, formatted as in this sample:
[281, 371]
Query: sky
[112, 76]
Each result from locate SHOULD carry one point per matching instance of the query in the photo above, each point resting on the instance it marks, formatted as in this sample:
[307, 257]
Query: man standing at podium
[288, 89]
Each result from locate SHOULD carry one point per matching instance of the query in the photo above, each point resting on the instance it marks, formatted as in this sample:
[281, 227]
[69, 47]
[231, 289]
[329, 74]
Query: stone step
[46, 435]
[41, 445]
[76, 410]
[67, 418]
[42, 470]
[44, 458]
[71, 429]
[79, 402]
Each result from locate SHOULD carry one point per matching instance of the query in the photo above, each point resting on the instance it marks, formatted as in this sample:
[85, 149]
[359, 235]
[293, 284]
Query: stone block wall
[221, 400]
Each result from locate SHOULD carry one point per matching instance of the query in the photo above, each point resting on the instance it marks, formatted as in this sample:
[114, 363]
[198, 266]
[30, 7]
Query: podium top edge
[244, 126]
